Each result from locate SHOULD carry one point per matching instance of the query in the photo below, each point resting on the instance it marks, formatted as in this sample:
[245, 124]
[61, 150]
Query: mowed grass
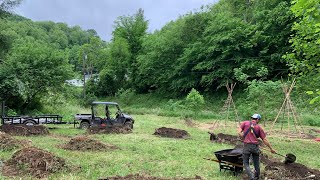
[144, 153]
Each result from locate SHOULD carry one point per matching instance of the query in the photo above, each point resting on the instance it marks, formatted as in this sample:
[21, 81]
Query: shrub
[126, 96]
[194, 101]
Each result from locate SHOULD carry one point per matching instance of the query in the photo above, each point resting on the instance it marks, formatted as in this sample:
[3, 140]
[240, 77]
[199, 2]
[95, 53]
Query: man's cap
[256, 116]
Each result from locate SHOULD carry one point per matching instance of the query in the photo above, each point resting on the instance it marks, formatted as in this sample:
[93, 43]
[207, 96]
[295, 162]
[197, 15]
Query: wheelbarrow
[229, 159]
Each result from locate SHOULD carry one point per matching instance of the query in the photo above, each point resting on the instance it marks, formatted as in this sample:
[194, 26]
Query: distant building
[78, 82]
[75, 82]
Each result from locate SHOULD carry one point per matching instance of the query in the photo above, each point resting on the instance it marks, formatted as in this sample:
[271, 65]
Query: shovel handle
[271, 152]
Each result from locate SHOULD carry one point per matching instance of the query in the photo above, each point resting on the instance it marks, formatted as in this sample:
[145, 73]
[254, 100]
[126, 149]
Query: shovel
[289, 158]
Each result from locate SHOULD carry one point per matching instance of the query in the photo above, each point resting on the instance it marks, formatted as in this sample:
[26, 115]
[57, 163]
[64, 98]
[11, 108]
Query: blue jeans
[251, 150]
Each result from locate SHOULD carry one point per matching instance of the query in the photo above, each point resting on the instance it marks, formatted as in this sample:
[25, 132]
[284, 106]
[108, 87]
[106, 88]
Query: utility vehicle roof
[107, 103]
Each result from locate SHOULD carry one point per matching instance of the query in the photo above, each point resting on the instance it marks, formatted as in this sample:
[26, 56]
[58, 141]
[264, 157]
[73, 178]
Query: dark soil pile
[23, 130]
[172, 133]
[33, 161]
[145, 177]
[227, 138]
[83, 143]
[7, 142]
[279, 170]
[109, 130]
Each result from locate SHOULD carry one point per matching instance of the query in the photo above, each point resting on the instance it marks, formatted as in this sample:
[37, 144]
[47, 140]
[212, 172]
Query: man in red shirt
[250, 131]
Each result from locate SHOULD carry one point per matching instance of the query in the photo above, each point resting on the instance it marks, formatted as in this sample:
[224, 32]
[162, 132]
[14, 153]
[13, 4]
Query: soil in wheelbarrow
[33, 161]
[172, 133]
[109, 130]
[23, 130]
[8, 142]
[83, 143]
[145, 177]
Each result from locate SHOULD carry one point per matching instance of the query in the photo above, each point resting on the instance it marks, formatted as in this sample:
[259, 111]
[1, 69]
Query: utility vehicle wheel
[128, 124]
[84, 125]
[29, 123]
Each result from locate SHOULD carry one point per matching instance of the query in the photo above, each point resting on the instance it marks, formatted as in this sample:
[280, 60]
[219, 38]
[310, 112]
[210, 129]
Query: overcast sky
[100, 14]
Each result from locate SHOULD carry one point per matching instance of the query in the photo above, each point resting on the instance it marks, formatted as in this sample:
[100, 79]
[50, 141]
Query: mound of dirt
[278, 170]
[83, 143]
[145, 177]
[225, 138]
[172, 133]
[228, 139]
[8, 143]
[109, 130]
[23, 130]
[33, 161]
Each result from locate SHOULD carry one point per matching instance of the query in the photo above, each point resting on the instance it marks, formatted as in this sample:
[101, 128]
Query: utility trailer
[30, 120]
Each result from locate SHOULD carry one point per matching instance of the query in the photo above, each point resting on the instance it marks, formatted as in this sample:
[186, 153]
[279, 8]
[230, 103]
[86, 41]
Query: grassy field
[144, 153]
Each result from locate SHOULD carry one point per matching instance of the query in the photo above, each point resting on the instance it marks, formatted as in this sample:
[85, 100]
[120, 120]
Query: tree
[195, 101]
[32, 67]
[304, 59]
[7, 5]
[131, 29]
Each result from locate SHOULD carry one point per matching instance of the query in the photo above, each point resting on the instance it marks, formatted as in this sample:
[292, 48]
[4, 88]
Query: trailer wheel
[84, 125]
[29, 123]
[128, 124]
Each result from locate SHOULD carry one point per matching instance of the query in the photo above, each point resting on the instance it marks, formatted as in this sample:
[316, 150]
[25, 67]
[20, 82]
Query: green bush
[89, 98]
[194, 101]
[126, 96]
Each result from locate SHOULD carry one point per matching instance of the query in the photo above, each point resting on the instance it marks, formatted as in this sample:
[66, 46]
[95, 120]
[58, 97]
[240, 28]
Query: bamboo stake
[284, 102]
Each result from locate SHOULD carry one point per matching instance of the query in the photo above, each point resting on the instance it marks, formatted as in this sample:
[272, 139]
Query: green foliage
[304, 59]
[231, 40]
[88, 99]
[126, 95]
[31, 68]
[315, 99]
[35, 58]
[128, 34]
[263, 97]
[194, 101]
[7, 5]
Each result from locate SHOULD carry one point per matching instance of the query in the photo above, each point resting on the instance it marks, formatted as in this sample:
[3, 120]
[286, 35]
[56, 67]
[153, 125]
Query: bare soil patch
[172, 133]
[83, 143]
[225, 138]
[206, 126]
[23, 130]
[33, 161]
[291, 134]
[145, 177]
[109, 130]
[279, 170]
[8, 142]
[189, 122]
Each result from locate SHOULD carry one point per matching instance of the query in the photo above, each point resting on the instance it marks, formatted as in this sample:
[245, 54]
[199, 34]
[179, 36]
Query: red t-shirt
[251, 137]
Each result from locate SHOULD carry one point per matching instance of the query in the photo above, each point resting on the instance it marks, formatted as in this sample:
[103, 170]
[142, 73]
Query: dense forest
[244, 41]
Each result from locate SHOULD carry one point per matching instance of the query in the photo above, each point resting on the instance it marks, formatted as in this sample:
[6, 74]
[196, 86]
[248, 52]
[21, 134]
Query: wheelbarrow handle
[238, 165]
